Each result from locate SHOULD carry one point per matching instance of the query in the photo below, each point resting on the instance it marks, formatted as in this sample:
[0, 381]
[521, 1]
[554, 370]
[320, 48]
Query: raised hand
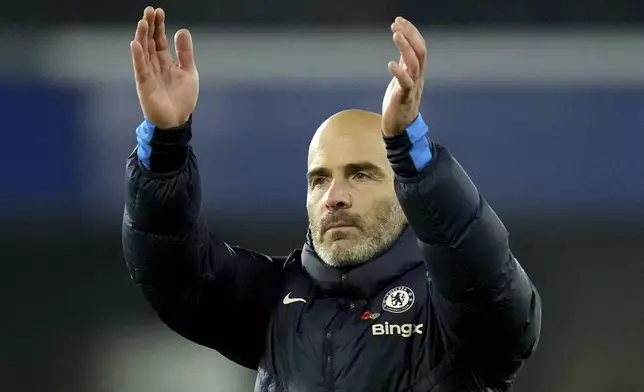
[167, 89]
[401, 103]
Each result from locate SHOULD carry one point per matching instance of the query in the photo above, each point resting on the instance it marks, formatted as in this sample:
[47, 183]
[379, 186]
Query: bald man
[353, 210]
[405, 281]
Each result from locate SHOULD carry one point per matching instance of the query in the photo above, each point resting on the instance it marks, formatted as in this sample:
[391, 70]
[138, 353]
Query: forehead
[336, 149]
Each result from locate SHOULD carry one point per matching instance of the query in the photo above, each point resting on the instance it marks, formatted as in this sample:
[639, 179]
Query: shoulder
[291, 261]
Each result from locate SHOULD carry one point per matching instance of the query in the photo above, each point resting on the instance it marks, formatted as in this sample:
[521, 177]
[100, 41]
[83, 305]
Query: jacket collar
[368, 279]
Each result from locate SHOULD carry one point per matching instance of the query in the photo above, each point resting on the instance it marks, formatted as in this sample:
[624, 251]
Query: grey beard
[387, 226]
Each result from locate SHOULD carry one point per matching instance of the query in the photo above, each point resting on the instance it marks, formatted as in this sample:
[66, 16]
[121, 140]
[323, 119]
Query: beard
[376, 232]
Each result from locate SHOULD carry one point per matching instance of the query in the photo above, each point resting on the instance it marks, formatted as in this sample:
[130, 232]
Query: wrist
[171, 125]
[397, 129]
[409, 152]
[175, 126]
[163, 150]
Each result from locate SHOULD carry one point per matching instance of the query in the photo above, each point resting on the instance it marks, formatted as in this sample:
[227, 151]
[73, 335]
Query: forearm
[465, 243]
[166, 239]
[164, 232]
[163, 188]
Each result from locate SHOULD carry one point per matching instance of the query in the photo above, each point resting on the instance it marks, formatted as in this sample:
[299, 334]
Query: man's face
[353, 210]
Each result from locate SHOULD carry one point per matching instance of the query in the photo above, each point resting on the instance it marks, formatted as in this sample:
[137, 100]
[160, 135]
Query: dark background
[327, 13]
[541, 101]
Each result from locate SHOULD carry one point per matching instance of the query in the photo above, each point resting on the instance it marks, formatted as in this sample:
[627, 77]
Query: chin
[336, 245]
[341, 234]
[341, 243]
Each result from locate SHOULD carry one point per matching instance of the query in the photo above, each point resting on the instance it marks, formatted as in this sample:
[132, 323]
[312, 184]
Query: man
[405, 281]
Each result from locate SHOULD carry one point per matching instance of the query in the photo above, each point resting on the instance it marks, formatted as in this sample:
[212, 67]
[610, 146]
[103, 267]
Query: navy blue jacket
[447, 308]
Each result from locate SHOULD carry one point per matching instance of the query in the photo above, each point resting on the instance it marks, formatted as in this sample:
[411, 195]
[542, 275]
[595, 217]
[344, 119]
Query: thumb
[184, 49]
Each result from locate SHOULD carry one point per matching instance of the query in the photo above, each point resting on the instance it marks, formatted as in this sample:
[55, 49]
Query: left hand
[400, 106]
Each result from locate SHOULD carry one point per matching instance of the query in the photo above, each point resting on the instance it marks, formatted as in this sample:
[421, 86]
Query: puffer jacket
[447, 308]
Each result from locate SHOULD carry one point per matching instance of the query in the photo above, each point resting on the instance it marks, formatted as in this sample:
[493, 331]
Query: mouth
[339, 225]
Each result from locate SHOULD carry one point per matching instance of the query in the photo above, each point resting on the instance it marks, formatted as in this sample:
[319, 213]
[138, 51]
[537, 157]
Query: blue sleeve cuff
[410, 152]
[420, 152]
[144, 135]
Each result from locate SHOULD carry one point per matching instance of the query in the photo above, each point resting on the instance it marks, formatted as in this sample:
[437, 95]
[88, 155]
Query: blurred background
[541, 101]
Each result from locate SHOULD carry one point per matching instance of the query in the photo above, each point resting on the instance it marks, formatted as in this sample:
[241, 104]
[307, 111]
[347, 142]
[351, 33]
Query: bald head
[353, 210]
[348, 129]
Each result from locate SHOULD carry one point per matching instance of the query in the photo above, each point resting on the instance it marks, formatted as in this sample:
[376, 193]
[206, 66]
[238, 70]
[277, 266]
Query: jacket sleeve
[214, 294]
[486, 305]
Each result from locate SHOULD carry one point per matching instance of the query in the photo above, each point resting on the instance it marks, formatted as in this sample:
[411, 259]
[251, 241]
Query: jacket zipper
[328, 365]
[328, 343]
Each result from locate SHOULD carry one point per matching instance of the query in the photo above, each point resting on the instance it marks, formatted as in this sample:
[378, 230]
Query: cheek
[370, 197]
[314, 202]
[312, 206]
[314, 215]
[375, 206]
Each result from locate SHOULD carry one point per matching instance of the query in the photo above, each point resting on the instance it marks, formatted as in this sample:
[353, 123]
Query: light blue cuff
[144, 134]
[421, 152]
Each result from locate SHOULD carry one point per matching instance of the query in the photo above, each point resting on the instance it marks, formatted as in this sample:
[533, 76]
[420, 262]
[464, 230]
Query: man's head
[353, 210]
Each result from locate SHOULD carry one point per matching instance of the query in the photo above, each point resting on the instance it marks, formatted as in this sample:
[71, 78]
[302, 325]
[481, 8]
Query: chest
[323, 342]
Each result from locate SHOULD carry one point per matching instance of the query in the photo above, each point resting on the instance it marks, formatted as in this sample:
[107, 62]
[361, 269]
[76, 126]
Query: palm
[395, 97]
[401, 103]
[167, 90]
[169, 94]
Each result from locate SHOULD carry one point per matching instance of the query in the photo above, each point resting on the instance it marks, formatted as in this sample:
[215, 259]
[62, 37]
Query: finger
[404, 80]
[150, 17]
[185, 51]
[413, 36]
[160, 38]
[146, 19]
[138, 62]
[141, 37]
[408, 55]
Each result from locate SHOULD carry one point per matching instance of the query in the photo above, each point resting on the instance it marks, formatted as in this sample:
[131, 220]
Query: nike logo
[288, 300]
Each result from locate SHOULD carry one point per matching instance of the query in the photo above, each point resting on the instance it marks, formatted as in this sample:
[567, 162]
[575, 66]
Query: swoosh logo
[288, 300]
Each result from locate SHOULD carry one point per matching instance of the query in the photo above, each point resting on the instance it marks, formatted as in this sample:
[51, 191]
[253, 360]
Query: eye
[361, 176]
[317, 181]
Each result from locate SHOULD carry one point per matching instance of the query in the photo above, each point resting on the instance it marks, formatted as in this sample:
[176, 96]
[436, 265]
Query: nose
[337, 197]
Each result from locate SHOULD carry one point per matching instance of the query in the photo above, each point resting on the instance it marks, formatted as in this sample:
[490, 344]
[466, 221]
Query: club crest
[398, 300]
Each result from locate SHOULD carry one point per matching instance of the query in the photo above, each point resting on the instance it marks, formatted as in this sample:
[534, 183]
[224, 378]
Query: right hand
[167, 90]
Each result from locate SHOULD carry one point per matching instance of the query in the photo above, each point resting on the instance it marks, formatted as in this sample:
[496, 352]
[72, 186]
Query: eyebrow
[349, 169]
[368, 167]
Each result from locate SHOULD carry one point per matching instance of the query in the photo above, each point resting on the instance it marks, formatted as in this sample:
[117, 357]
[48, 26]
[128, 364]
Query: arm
[209, 292]
[482, 297]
